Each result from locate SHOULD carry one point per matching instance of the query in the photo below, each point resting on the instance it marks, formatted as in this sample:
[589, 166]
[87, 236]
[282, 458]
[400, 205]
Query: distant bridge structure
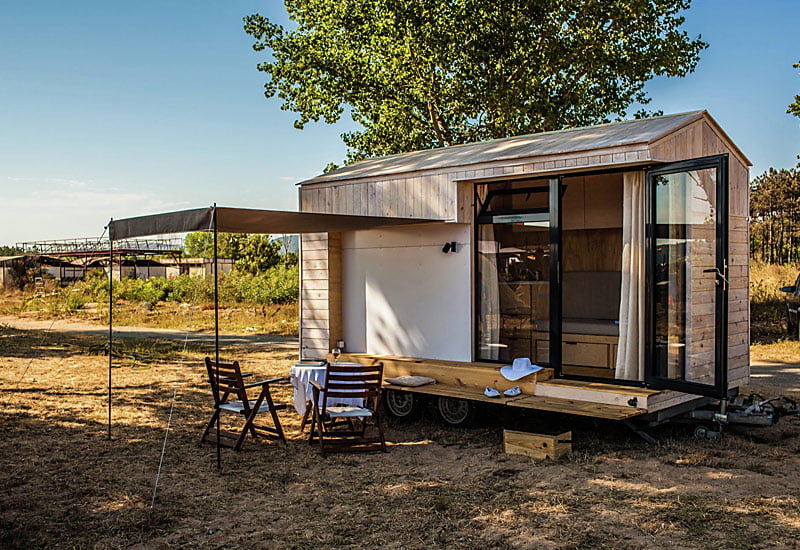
[94, 248]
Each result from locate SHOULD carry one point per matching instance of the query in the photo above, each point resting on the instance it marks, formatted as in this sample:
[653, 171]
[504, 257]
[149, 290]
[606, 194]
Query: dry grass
[66, 485]
[787, 351]
[768, 313]
[767, 302]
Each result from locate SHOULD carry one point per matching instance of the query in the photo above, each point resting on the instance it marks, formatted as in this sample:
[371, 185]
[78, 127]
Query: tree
[775, 216]
[251, 253]
[434, 73]
[257, 254]
[200, 244]
[794, 107]
[10, 251]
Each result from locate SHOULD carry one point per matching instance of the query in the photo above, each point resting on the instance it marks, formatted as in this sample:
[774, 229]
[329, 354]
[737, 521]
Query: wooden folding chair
[343, 428]
[227, 380]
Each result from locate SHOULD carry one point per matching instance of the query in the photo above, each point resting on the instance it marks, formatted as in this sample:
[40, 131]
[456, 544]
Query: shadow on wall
[386, 333]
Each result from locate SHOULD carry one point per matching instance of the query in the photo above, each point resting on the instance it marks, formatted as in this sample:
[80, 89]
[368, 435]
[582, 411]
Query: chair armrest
[264, 382]
[316, 384]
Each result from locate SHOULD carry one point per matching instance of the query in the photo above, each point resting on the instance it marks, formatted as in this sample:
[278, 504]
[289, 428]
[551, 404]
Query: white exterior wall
[401, 295]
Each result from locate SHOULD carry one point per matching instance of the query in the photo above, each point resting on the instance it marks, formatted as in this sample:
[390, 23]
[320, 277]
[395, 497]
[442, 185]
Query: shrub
[278, 285]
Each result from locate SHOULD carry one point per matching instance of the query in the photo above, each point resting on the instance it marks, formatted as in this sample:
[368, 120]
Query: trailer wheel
[402, 405]
[706, 431]
[700, 432]
[455, 412]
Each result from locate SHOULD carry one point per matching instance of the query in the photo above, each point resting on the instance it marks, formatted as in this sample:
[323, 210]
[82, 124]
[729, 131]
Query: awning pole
[110, 317]
[216, 321]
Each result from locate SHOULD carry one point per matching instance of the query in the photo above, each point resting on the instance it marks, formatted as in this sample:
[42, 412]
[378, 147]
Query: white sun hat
[520, 368]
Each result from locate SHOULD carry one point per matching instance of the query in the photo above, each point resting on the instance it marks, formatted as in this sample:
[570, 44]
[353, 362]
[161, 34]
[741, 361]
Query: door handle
[718, 273]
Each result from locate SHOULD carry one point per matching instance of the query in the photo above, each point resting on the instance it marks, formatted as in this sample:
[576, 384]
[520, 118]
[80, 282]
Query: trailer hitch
[753, 410]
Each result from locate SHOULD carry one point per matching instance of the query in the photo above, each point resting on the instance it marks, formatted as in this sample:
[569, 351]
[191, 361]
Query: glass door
[515, 265]
[687, 250]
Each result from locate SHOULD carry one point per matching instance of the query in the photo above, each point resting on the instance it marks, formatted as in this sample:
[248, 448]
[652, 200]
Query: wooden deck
[540, 391]
[551, 404]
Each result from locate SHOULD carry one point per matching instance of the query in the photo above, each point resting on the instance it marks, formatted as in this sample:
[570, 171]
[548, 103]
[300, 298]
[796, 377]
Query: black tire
[700, 432]
[456, 412]
[402, 405]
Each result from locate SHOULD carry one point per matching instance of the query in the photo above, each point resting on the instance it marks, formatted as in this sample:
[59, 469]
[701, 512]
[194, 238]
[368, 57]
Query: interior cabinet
[581, 354]
[592, 202]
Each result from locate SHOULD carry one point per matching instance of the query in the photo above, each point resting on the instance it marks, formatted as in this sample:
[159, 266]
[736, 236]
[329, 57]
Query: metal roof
[616, 134]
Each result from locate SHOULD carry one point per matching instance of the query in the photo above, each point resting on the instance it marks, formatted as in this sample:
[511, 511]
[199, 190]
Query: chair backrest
[353, 382]
[225, 378]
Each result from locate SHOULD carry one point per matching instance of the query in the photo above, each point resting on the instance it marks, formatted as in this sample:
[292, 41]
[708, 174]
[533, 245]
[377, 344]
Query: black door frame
[720, 387]
[720, 162]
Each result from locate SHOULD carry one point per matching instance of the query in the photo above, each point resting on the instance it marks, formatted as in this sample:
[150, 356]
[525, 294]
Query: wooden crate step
[537, 446]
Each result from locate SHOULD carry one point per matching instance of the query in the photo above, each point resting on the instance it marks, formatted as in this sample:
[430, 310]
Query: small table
[301, 375]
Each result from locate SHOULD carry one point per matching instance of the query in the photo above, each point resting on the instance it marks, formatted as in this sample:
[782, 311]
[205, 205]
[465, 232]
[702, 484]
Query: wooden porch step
[551, 404]
[470, 377]
[469, 394]
[579, 408]
[596, 392]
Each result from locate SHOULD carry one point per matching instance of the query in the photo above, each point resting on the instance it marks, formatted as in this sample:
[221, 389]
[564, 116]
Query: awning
[246, 220]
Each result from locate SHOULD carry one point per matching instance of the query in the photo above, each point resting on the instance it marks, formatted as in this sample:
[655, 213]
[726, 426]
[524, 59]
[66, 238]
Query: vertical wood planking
[334, 289]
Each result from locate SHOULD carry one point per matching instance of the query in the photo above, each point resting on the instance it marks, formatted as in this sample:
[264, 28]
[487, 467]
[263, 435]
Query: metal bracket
[641, 433]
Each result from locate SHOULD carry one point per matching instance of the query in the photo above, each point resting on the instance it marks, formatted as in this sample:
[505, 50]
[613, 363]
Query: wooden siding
[738, 301]
[448, 193]
[320, 294]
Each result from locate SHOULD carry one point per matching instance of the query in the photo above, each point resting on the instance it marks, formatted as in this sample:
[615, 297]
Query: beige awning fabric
[246, 220]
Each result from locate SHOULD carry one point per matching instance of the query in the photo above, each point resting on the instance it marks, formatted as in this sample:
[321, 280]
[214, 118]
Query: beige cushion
[411, 381]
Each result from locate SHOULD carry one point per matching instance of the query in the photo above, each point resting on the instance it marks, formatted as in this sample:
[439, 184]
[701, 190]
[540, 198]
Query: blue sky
[125, 108]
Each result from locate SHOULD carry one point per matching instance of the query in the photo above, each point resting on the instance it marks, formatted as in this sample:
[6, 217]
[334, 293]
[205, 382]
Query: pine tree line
[775, 216]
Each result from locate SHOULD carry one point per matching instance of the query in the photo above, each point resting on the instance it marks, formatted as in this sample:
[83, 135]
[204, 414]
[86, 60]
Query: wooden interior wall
[320, 294]
[592, 249]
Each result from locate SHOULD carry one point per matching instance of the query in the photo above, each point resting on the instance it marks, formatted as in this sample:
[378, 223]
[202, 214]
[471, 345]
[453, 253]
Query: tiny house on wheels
[614, 256]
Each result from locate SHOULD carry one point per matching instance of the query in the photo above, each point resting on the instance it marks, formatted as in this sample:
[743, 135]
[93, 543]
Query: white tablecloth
[301, 376]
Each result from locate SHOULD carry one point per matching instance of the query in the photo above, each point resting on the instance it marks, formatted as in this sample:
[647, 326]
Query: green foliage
[252, 253]
[256, 254]
[10, 251]
[277, 285]
[794, 107]
[95, 285]
[24, 271]
[434, 73]
[775, 216]
[200, 244]
[280, 285]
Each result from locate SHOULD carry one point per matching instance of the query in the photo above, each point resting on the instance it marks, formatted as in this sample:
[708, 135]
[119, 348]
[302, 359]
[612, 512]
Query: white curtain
[630, 352]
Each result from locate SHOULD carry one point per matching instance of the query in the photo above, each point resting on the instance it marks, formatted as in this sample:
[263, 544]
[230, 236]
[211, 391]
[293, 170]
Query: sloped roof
[615, 134]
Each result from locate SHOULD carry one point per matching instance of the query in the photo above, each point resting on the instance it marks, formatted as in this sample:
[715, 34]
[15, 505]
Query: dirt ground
[66, 485]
